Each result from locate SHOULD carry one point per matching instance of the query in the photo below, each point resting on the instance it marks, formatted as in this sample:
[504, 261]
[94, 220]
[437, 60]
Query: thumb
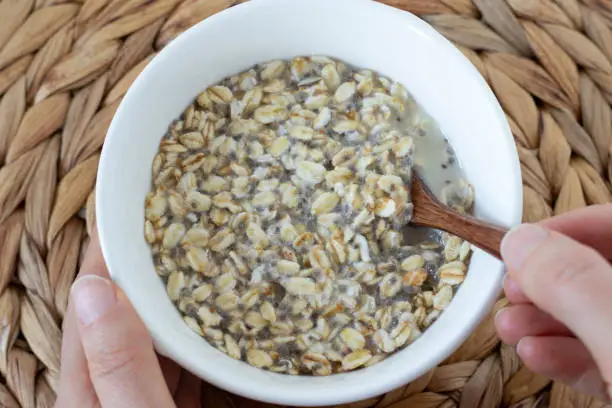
[570, 281]
[122, 364]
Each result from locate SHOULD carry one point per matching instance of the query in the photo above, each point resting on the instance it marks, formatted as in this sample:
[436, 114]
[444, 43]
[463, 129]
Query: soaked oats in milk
[278, 211]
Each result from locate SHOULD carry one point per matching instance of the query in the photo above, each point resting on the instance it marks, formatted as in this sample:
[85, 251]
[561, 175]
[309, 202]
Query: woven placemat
[64, 66]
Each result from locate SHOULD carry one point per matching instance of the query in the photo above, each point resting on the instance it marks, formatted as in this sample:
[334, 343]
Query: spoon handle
[428, 211]
[482, 234]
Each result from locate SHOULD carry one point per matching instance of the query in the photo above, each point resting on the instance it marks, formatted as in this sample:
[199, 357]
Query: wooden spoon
[430, 212]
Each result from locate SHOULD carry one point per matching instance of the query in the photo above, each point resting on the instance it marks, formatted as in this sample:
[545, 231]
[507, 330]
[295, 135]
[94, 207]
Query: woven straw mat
[65, 65]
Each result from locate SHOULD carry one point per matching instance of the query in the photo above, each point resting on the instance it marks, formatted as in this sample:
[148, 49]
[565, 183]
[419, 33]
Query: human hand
[560, 286]
[108, 360]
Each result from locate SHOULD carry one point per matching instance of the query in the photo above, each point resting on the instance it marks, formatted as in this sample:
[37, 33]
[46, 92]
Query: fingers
[591, 226]
[563, 359]
[75, 388]
[568, 280]
[515, 322]
[122, 364]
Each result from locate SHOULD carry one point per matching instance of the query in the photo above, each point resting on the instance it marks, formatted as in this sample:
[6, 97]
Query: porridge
[278, 211]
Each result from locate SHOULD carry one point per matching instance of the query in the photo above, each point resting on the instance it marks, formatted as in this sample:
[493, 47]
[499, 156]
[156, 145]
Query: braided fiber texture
[65, 65]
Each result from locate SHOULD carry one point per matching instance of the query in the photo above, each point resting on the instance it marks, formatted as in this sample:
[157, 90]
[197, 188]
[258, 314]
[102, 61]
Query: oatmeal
[278, 211]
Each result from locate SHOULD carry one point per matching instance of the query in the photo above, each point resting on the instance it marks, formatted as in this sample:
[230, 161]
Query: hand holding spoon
[430, 212]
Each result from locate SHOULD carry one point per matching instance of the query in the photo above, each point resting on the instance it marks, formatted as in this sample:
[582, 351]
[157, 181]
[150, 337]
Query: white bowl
[367, 35]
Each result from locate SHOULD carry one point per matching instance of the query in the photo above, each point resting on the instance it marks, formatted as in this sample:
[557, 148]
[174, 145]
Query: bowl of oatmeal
[253, 199]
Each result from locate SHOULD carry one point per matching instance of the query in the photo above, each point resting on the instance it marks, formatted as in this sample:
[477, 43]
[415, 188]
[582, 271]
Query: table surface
[65, 65]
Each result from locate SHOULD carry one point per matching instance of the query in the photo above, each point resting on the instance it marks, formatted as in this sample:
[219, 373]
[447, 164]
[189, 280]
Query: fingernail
[520, 345]
[92, 296]
[499, 313]
[520, 242]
